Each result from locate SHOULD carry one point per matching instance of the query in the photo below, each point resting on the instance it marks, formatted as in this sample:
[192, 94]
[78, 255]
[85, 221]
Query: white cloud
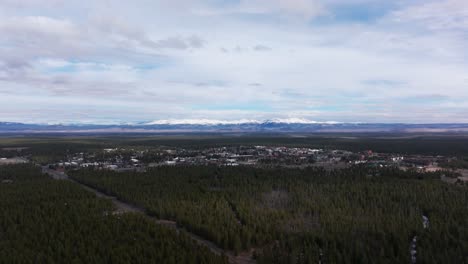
[261, 48]
[436, 15]
[142, 61]
[303, 9]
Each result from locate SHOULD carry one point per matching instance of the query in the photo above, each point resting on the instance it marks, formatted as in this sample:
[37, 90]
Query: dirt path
[123, 207]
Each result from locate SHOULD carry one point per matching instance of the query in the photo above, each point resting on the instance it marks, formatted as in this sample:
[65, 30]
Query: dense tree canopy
[354, 215]
[47, 221]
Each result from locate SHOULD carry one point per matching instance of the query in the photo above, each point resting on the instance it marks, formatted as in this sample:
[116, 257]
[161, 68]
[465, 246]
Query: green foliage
[355, 215]
[47, 221]
[457, 163]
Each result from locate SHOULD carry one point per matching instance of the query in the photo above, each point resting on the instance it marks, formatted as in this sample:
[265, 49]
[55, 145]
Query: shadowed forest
[355, 215]
[47, 221]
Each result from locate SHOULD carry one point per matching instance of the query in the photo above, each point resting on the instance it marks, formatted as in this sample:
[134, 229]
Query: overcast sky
[96, 61]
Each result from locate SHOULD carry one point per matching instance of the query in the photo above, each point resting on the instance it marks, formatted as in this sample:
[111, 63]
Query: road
[124, 207]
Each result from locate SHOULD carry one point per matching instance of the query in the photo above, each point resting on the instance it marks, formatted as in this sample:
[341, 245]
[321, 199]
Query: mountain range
[293, 125]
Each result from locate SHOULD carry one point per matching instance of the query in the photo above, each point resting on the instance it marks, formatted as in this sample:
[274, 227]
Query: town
[139, 159]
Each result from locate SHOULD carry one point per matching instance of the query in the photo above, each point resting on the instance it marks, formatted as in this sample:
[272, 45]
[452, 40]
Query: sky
[96, 61]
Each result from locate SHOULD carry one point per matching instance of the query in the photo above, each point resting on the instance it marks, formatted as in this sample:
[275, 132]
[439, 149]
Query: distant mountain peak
[289, 125]
[199, 122]
[235, 122]
[295, 120]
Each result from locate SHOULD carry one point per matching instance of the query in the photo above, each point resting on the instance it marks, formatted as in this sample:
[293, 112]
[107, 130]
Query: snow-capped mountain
[235, 122]
[290, 125]
[200, 122]
[298, 121]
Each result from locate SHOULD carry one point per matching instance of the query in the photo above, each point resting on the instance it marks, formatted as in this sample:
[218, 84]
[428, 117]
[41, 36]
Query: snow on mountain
[244, 125]
[234, 122]
[199, 122]
[295, 120]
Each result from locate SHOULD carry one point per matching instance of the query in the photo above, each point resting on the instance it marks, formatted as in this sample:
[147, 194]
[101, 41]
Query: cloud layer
[348, 61]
